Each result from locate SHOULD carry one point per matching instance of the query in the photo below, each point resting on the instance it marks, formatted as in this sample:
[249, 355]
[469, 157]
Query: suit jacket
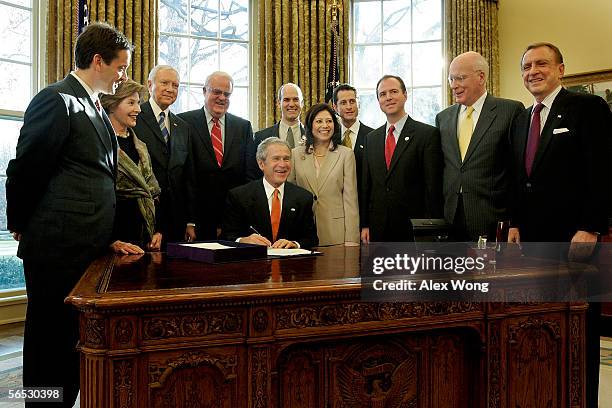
[334, 192]
[567, 190]
[358, 150]
[211, 181]
[253, 171]
[484, 174]
[172, 169]
[60, 188]
[247, 206]
[411, 188]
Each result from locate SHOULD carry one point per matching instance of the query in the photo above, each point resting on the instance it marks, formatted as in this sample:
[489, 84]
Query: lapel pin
[292, 209]
[558, 116]
[174, 124]
[406, 138]
[361, 146]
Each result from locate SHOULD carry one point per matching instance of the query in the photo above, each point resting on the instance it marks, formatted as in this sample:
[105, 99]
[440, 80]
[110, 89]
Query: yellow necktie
[465, 131]
[348, 141]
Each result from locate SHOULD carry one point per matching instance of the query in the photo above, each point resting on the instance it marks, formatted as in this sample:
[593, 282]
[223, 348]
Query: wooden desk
[164, 332]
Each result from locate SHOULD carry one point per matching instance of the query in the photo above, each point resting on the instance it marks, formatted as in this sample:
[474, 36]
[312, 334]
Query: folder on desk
[216, 251]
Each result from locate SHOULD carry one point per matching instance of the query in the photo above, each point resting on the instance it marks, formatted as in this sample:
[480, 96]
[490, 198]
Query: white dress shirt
[270, 194]
[295, 129]
[399, 125]
[547, 102]
[157, 110]
[92, 95]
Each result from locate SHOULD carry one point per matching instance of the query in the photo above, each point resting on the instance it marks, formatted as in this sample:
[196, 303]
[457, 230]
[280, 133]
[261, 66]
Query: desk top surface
[122, 280]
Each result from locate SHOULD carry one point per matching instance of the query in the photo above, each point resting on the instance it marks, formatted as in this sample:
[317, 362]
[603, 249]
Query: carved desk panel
[159, 332]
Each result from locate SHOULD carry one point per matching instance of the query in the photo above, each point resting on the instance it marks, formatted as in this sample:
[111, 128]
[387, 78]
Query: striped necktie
[217, 142]
[162, 126]
[348, 140]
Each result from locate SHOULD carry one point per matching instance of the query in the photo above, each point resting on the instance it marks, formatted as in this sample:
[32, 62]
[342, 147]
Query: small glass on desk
[501, 234]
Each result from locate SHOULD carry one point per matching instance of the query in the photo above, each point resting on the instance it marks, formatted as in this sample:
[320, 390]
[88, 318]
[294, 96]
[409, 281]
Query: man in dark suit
[402, 170]
[270, 211]
[353, 131]
[219, 143]
[289, 128]
[60, 194]
[168, 142]
[476, 146]
[561, 147]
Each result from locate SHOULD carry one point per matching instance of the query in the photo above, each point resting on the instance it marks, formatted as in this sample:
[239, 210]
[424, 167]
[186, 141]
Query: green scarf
[138, 182]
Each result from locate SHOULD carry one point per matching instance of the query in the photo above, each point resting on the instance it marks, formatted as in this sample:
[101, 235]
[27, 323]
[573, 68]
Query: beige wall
[581, 29]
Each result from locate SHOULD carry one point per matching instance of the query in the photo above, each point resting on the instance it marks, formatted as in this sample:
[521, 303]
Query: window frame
[185, 83]
[381, 44]
[13, 301]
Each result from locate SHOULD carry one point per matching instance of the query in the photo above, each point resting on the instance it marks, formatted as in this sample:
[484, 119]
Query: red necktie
[389, 146]
[98, 107]
[217, 142]
[275, 215]
[534, 138]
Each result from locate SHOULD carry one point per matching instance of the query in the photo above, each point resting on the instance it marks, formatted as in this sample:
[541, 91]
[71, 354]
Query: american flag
[83, 15]
[333, 74]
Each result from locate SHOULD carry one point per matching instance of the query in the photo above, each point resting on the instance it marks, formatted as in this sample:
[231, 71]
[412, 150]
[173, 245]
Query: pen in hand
[261, 240]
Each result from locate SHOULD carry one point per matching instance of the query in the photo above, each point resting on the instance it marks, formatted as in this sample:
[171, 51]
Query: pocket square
[560, 130]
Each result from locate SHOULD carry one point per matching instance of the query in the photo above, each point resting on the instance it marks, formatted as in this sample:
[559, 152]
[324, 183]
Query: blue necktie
[162, 126]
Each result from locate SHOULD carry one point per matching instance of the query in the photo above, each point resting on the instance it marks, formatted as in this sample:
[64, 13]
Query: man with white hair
[168, 140]
[219, 149]
[288, 128]
[476, 147]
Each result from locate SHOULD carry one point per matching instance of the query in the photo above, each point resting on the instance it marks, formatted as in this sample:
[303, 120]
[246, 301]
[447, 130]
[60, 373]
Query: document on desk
[208, 245]
[290, 252]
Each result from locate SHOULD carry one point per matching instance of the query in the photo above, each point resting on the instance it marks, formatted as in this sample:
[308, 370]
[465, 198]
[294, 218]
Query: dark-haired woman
[137, 190]
[327, 169]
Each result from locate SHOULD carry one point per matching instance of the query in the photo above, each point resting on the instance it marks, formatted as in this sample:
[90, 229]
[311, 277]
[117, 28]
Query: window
[19, 22]
[398, 37]
[198, 37]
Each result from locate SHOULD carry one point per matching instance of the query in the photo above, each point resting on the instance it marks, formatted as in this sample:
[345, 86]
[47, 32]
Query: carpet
[10, 378]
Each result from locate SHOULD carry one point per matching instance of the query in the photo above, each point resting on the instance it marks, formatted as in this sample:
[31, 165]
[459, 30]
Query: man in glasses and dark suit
[219, 146]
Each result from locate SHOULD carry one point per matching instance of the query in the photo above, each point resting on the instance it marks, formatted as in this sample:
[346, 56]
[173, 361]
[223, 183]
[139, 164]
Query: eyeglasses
[218, 92]
[460, 78]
